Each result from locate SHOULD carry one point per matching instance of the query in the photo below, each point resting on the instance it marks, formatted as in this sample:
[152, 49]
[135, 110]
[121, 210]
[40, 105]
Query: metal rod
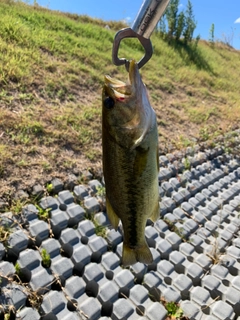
[148, 17]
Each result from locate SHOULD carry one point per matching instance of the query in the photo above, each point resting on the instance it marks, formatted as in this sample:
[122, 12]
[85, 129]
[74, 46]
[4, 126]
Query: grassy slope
[51, 73]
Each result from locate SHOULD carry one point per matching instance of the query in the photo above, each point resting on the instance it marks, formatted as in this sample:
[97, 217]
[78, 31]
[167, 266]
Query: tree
[172, 16]
[190, 24]
[162, 26]
[211, 34]
[180, 26]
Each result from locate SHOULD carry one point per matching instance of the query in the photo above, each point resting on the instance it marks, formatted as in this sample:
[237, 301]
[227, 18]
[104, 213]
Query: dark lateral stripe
[133, 239]
[132, 213]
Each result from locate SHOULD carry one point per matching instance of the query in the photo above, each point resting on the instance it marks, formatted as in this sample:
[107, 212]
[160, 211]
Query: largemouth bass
[130, 162]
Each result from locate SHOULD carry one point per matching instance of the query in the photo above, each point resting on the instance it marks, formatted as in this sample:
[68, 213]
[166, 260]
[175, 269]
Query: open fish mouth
[119, 88]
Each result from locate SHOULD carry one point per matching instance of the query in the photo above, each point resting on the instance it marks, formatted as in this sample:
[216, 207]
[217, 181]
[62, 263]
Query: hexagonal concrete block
[95, 185]
[102, 219]
[171, 294]
[91, 308]
[65, 197]
[177, 259]
[203, 261]
[28, 313]
[18, 241]
[156, 311]
[232, 297]
[152, 280]
[92, 205]
[219, 271]
[93, 271]
[39, 230]
[81, 256]
[166, 269]
[75, 214]
[179, 213]
[6, 269]
[200, 296]
[195, 273]
[16, 295]
[98, 244]
[29, 259]
[161, 226]
[29, 213]
[183, 284]
[59, 221]
[2, 251]
[69, 239]
[75, 287]
[187, 249]
[164, 248]
[54, 304]
[80, 192]
[41, 281]
[86, 228]
[110, 261]
[62, 267]
[234, 252]
[124, 278]
[49, 203]
[109, 291]
[113, 238]
[139, 295]
[52, 246]
[222, 310]
[122, 309]
[190, 309]
[212, 284]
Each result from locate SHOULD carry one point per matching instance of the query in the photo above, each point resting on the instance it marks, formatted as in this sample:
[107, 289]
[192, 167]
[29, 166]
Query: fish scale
[130, 162]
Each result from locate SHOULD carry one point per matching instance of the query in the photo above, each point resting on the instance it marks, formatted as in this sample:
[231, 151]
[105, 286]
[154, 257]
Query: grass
[46, 259]
[43, 214]
[51, 73]
[5, 232]
[173, 309]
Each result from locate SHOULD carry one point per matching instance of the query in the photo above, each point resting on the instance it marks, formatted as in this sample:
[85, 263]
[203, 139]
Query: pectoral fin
[140, 161]
[112, 215]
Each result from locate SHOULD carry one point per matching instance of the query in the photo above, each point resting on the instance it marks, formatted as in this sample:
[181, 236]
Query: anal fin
[114, 219]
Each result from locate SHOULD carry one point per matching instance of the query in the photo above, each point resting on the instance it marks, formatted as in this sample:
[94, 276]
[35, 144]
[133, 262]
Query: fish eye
[109, 103]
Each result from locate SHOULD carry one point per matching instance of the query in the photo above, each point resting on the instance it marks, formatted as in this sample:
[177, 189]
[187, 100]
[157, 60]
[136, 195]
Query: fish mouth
[120, 89]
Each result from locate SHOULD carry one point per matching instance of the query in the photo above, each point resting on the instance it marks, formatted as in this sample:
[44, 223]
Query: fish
[130, 160]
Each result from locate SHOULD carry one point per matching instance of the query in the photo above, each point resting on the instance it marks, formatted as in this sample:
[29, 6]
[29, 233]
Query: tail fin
[139, 254]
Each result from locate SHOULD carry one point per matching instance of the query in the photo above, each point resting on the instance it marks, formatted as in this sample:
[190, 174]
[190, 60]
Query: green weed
[101, 191]
[49, 188]
[187, 164]
[17, 205]
[46, 259]
[5, 232]
[174, 310]
[17, 269]
[43, 214]
[100, 230]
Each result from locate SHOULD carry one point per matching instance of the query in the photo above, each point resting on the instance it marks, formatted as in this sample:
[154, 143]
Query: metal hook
[142, 28]
[129, 33]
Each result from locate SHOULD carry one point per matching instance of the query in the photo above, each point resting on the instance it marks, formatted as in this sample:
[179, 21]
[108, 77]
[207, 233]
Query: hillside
[51, 73]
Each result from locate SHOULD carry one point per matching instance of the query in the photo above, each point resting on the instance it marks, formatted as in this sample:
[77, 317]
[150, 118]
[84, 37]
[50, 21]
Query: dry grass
[51, 73]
